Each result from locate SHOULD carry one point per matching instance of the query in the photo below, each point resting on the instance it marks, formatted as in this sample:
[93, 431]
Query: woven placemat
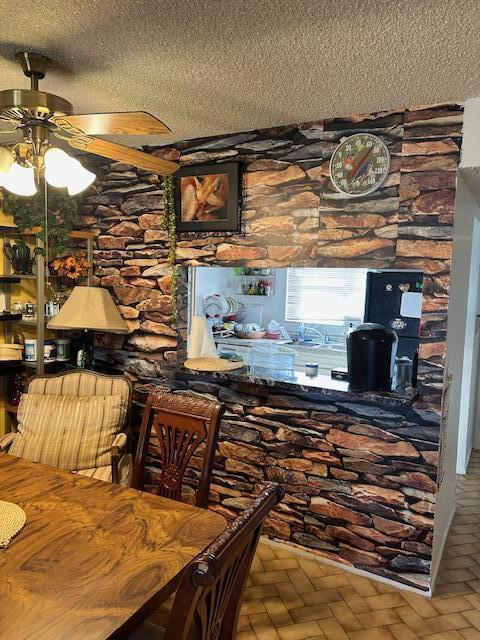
[212, 364]
[12, 521]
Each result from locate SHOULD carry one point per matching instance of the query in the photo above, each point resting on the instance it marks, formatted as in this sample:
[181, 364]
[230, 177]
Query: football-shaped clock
[360, 164]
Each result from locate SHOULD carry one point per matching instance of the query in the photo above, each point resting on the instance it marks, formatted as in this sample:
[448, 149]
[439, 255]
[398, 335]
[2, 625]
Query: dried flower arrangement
[72, 267]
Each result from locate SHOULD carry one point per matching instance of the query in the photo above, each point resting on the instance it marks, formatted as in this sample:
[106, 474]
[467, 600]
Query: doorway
[469, 410]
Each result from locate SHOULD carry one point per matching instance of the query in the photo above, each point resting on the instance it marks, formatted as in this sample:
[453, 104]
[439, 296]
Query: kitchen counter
[313, 346]
[325, 356]
[322, 386]
[235, 340]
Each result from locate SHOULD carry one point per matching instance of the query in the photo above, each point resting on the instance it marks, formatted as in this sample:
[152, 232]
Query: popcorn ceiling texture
[359, 470]
[208, 67]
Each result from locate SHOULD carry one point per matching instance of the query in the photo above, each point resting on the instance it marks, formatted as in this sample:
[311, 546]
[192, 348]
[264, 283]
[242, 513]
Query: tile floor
[293, 597]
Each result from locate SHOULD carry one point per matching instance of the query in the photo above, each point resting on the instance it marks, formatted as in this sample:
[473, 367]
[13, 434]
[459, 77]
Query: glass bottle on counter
[301, 332]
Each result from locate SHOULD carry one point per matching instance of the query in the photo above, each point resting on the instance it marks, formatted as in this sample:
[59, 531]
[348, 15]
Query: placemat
[212, 364]
[12, 521]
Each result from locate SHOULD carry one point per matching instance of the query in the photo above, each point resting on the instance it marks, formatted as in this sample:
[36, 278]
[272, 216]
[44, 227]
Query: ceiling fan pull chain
[47, 268]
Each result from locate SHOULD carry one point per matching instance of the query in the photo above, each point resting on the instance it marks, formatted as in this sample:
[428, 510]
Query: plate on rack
[215, 306]
[233, 304]
[218, 306]
[241, 312]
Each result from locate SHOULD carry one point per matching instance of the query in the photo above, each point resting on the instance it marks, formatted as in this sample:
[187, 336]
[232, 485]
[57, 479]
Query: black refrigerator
[394, 299]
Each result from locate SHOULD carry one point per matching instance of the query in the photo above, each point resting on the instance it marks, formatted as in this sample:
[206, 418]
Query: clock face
[360, 164]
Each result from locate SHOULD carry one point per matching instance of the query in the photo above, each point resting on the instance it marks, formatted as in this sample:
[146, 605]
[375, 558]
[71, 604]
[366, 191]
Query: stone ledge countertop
[320, 385]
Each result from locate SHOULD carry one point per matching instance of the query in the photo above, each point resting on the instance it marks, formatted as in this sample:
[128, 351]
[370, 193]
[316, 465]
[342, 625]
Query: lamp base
[85, 355]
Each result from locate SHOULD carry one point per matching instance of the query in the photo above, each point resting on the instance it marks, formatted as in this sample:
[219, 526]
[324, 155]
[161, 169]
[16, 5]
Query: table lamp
[89, 309]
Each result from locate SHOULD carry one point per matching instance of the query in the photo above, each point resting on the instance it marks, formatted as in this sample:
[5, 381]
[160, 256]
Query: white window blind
[325, 296]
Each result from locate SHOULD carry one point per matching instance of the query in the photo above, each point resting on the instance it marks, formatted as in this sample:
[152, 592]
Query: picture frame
[207, 197]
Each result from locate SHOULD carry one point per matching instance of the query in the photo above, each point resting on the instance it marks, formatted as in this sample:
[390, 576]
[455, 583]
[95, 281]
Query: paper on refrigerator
[411, 305]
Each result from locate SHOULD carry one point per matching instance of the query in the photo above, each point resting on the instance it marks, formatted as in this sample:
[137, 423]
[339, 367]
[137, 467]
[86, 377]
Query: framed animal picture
[207, 197]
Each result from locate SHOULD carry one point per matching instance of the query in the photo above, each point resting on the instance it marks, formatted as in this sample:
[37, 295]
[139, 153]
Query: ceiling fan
[41, 115]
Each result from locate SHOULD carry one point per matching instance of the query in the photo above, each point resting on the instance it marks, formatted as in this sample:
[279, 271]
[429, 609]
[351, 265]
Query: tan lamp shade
[89, 308]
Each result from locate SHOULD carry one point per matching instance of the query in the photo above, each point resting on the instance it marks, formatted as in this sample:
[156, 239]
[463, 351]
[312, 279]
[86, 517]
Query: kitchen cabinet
[327, 357]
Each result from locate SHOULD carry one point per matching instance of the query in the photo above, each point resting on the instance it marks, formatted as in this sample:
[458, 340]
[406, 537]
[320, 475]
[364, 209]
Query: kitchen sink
[308, 343]
[312, 344]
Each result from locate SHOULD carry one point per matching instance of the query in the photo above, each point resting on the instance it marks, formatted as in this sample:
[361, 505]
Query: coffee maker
[371, 352]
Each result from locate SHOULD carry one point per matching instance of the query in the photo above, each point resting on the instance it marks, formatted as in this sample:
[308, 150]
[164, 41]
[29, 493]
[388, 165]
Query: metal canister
[403, 372]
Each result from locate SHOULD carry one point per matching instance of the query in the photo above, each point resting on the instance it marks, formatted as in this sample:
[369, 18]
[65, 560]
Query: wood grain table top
[94, 558]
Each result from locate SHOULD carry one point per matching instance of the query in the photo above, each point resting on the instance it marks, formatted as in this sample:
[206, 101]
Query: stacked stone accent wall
[359, 477]
[291, 216]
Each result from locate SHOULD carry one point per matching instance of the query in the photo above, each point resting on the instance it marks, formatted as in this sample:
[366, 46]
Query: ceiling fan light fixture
[39, 114]
[20, 180]
[79, 177]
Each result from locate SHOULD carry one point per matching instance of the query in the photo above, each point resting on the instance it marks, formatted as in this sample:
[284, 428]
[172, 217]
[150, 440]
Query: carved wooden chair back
[208, 599]
[180, 424]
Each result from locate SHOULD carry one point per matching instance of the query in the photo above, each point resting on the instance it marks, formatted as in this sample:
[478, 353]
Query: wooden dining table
[94, 559]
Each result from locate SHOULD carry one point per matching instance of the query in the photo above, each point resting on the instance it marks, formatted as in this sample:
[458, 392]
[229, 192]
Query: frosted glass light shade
[20, 180]
[61, 170]
[89, 308]
[80, 178]
[6, 161]
[57, 167]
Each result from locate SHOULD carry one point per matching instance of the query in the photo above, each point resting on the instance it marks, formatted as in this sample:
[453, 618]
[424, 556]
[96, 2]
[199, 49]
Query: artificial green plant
[30, 212]
[169, 225]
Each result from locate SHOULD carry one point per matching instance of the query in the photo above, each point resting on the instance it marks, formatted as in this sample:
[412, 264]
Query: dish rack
[217, 307]
[273, 360]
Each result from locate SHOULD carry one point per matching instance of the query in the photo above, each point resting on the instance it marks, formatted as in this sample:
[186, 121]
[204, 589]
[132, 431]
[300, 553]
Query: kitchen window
[325, 296]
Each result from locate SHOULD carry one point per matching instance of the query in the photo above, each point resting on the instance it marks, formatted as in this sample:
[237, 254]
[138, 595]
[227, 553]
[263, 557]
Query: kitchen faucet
[323, 334]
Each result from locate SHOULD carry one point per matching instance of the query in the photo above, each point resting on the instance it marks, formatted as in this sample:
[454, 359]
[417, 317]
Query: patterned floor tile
[291, 596]
[316, 601]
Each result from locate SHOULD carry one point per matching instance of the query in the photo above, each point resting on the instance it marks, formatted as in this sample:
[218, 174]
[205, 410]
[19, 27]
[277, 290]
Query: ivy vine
[30, 212]
[169, 225]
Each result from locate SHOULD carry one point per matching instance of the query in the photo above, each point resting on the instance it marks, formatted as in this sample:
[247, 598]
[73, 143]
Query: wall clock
[360, 164]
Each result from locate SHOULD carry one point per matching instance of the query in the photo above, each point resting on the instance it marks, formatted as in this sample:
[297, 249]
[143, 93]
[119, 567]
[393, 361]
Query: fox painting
[204, 197]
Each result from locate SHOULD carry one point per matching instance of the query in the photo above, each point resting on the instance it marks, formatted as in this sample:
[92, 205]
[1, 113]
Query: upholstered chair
[77, 420]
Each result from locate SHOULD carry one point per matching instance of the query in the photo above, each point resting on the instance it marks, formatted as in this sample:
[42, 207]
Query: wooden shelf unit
[7, 231]
[9, 279]
[10, 317]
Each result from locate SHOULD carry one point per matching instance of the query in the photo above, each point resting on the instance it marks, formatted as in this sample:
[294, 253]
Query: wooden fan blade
[102, 124]
[120, 152]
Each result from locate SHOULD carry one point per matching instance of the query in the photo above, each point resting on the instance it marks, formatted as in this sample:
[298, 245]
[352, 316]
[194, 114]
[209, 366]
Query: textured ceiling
[212, 66]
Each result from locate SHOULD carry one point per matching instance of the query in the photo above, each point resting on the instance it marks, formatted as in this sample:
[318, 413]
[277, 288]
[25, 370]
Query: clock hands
[358, 165]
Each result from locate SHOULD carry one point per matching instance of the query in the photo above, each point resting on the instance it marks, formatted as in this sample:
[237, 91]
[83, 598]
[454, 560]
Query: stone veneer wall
[359, 472]
[291, 215]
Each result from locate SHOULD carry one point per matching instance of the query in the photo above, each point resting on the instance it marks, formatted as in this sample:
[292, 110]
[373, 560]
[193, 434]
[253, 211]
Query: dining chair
[116, 465]
[208, 598]
[179, 424]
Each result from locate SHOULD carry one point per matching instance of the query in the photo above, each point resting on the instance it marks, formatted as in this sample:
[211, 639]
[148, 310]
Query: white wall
[464, 302]
[222, 280]
[471, 134]
[210, 280]
[460, 339]
[467, 400]
[473, 430]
